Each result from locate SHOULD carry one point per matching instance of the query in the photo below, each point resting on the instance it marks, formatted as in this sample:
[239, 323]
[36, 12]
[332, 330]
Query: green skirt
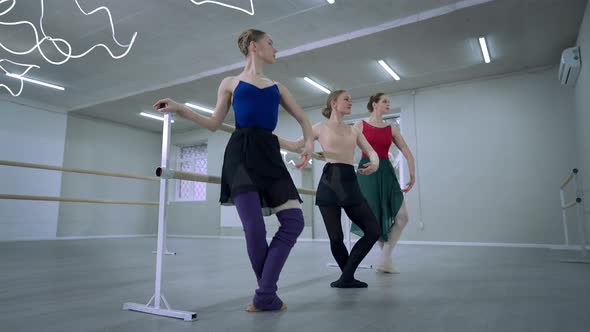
[382, 191]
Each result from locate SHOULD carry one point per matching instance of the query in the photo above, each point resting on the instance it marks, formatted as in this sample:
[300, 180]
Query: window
[192, 159]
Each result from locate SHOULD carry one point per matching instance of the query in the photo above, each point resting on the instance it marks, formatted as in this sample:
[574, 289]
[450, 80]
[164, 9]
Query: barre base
[184, 315]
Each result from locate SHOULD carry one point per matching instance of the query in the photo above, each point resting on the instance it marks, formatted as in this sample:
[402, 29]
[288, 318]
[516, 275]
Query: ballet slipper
[251, 308]
[348, 284]
[386, 266]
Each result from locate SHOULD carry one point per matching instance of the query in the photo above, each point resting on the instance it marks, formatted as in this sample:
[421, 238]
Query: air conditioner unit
[569, 67]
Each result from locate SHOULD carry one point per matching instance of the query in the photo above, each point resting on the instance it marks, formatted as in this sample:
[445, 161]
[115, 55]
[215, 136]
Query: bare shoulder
[229, 83]
[287, 99]
[317, 128]
[355, 130]
[359, 125]
[282, 88]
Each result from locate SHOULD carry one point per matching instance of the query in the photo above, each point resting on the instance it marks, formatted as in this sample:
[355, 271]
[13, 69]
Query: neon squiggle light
[9, 7]
[27, 68]
[250, 12]
[67, 54]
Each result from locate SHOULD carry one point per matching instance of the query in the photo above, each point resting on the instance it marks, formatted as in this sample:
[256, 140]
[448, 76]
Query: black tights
[363, 217]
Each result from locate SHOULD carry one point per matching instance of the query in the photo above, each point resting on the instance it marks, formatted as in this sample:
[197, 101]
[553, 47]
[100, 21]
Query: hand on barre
[168, 105]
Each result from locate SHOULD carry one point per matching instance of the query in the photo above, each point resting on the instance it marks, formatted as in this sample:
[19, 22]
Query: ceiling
[183, 50]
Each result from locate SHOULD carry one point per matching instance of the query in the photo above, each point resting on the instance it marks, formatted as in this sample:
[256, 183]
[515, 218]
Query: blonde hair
[333, 96]
[374, 99]
[250, 35]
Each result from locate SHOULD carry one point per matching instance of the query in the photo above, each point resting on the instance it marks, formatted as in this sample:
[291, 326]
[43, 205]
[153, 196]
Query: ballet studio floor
[80, 285]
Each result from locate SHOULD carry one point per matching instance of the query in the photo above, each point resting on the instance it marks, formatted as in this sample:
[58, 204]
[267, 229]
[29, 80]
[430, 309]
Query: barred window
[192, 159]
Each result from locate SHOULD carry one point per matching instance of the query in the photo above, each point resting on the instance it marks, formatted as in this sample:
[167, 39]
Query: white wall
[35, 136]
[104, 146]
[582, 103]
[490, 156]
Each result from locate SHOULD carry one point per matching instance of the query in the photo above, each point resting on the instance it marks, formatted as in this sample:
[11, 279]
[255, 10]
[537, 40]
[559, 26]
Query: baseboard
[424, 243]
[229, 237]
[89, 237]
[225, 237]
[220, 237]
[570, 247]
[495, 244]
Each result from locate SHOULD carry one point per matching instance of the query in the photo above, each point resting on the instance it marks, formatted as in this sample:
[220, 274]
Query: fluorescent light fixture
[152, 116]
[330, 1]
[484, 49]
[389, 70]
[49, 85]
[316, 84]
[197, 107]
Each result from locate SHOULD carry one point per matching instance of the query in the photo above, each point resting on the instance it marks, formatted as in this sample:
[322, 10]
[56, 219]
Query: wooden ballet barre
[306, 191]
[569, 178]
[179, 175]
[76, 170]
[569, 205]
[76, 200]
[578, 200]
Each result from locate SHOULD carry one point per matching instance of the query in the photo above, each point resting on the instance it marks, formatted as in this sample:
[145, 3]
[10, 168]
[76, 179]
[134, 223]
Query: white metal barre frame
[154, 305]
[167, 252]
[579, 204]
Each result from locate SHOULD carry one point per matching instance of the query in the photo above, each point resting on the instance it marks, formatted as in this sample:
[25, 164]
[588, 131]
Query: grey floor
[81, 285]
